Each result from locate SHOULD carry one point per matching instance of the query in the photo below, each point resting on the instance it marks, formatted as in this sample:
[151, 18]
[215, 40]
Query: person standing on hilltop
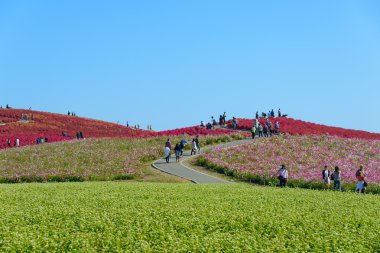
[277, 127]
[224, 118]
[279, 112]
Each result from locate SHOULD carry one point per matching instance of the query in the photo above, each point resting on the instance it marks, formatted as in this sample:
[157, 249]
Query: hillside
[52, 126]
[28, 125]
[299, 127]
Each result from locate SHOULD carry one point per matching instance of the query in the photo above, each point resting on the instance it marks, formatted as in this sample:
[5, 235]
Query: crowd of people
[327, 177]
[178, 148]
[264, 131]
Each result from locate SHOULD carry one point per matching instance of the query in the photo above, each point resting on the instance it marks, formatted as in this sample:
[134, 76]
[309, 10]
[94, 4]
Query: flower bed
[89, 160]
[305, 156]
[299, 127]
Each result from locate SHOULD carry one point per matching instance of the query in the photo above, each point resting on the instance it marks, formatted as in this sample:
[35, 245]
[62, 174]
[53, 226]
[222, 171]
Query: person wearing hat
[283, 175]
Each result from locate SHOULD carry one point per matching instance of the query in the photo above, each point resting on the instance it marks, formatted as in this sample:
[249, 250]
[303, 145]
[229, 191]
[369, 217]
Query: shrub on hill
[299, 127]
[305, 156]
[51, 126]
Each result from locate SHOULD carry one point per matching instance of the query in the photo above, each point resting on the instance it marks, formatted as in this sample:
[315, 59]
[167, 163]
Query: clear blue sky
[175, 63]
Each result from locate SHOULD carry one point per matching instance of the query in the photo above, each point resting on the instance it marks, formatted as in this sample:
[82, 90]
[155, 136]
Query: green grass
[136, 217]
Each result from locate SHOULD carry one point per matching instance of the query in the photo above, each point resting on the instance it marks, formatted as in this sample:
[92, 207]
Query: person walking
[326, 177]
[17, 143]
[360, 176]
[177, 150]
[198, 144]
[337, 177]
[193, 147]
[283, 176]
[168, 150]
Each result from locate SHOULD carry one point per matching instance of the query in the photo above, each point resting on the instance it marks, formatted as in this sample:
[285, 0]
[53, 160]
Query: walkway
[180, 170]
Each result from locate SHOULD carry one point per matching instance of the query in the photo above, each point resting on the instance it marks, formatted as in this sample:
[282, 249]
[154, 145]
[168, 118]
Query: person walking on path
[168, 150]
[283, 175]
[177, 151]
[198, 144]
[337, 177]
[360, 176]
[193, 147]
[326, 177]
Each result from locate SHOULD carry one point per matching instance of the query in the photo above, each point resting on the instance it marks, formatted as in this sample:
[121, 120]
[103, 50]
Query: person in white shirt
[283, 175]
[17, 142]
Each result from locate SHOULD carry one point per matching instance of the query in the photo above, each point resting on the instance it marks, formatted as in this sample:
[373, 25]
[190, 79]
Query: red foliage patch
[299, 127]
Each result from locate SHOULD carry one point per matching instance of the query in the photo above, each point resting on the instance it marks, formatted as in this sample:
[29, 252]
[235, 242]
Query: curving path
[180, 170]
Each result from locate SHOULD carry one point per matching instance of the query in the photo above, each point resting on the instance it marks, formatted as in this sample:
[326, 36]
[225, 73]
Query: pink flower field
[305, 157]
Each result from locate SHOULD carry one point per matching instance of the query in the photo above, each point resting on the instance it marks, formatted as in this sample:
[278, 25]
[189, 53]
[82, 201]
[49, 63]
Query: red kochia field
[51, 126]
[299, 127]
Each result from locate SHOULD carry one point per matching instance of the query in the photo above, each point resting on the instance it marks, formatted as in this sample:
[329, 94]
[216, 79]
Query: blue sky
[175, 63]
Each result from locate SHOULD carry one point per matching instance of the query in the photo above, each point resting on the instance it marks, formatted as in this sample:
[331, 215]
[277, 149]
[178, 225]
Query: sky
[174, 63]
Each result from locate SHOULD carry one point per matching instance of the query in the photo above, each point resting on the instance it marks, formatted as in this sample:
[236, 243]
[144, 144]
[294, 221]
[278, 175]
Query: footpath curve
[181, 170]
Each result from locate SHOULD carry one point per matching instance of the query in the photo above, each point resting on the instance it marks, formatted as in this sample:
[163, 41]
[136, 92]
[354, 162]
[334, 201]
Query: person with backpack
[336, 177]
[182, 146]
[177, 151]
[326, 177]
[283, 176]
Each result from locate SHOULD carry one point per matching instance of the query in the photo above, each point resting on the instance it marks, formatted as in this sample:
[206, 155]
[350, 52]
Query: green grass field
[148, 217]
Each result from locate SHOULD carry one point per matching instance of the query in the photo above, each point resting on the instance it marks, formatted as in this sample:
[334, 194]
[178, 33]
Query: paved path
[180, 170]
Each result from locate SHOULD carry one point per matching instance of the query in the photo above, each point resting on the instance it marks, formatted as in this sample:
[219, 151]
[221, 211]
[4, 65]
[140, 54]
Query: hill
[28, 125]
[299, 127]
